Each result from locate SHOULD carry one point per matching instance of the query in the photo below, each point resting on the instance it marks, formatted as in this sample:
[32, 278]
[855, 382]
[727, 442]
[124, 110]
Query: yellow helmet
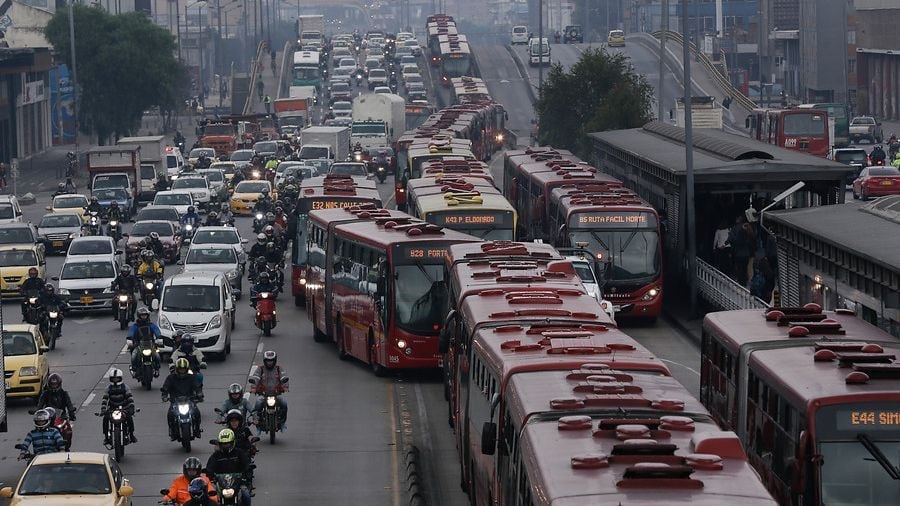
[181, 365]
[226, 436]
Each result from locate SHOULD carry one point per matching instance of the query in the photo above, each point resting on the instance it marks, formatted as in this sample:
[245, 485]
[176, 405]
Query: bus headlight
[302, 281]
[401, 344]
[651, 293]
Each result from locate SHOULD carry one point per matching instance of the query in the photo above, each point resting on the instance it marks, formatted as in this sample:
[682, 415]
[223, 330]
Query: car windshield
[367, 128]
[88, 270]
[849, 157]
[251, 187]
[243, 155]
[198, 152]
[70, 202]
[112, 181]
[59, 220]
[66, 478]
[320, 165]
[340, 87]
[189, 182]
[171, 161]
[634, 253]
[349, 169]
[149, 213]
[191, 298]
[300, 173]
[90, 247]
[173, 199]
[16, 235]
[144, 228]
[211, 256]
[110, 194]
[883, 171]
[227, 168]
[863, 121]
[584, 272]
[265, 147]
[17, 258]
[421, 297]
[343, 106]
[212, 175]
[216, 237]
[17, 344]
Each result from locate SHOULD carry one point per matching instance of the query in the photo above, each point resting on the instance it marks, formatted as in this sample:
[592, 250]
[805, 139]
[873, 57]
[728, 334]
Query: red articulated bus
[376, 285]
[803, 130]
[457, 168]
[513, 159]
[813, 395]
[608, 432]
[324, 192]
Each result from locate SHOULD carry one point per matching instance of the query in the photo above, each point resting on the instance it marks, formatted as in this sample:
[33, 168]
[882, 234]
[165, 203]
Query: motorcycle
[114, 230]
[183, 408]
[51, 325]
[33, 310]
[265, 312]
[124, 305]
[92, 227]
[147, 370]
[148, 289]
[228, 488]
[359, 79]
[62, 424]
[117, 434]
[187, 234]
[270, 418]
[258, 222]
[381, 173]
[275, 274]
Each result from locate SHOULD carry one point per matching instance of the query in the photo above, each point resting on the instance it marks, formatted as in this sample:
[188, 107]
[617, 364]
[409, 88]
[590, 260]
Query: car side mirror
[49, 208]
[55, 278]
[251, 380]
[180, 262]
[202, 366]
[118, 251]
[44, 349]
[126, 491]
[154, 305]
[6, 492]
[244, 241]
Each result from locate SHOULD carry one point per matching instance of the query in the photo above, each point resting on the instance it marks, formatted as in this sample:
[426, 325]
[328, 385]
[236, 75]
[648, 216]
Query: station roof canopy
[719, 157]
[871, 231]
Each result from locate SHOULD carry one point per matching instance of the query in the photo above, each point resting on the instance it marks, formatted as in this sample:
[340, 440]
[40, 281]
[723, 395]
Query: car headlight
[146, 352]
[270, 401]
[53, 314]
[71, 236]
[228, 493]
[117, 415]
[215, 323]
[164, 323]
[184, 409]
[28, 371]
[62, 291]
[651, 293]
[231, 274]
[108, 290]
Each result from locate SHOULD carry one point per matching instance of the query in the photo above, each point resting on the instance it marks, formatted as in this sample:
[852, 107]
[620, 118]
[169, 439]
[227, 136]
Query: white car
[219, 258]
[197, 185]
[404, 36]
[519, 35]
[174, 161]
[94, 245]
[215, 176]
[200, 303]
[10, 212]
[222, 235]
[179, 199]
[591, 283]
[85, 282]
[347, 63]
[383, 89]
[342, 109]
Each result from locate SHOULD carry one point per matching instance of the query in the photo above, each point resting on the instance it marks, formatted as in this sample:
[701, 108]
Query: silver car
[217, 184]
[59, 229]
[222, 235]
[215, 258]
[84, 282]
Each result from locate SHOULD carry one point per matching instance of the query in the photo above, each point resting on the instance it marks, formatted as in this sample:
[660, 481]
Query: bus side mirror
[797, 465]
[489, 429]
[445, 335]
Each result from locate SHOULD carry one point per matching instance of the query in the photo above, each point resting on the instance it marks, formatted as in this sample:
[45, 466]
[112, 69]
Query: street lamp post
[74, 73]
[689, 163]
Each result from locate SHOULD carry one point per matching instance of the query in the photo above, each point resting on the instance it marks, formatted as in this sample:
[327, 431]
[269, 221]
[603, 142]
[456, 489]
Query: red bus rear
[376, 285]
[803, 130]
[813, 396]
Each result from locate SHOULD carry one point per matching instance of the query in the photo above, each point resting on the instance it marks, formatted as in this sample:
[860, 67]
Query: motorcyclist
[236, 178]
[69, 187]
[94, 206]
[234, 420]
[212, 220]
[190, 217]
[163, 183]
[357, 148]
[878, 154]
[271, 166]
[194, 356]
[228, 459]
[280, 219]
[264, 203]
[126, 282]
[270, 377]
[55, 397]
[179, 139]
[258, 249]
[145, 332]
[263, 284]
[155, 244]
[236, 401]
[60, 190]
[274, 253]
[115, 212]
[203, 162]
[33, 285]
[225, 216]
[49, 298]
[151, 268]
[117, 395]
[44, 438]
[181, 384]
[178, 491]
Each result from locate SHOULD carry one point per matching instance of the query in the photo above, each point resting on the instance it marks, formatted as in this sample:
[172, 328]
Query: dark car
[165, 213]
[169, 236]
[266, 148]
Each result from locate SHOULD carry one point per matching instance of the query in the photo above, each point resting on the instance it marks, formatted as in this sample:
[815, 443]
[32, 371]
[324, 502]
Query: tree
[601, 92]
[126, 65]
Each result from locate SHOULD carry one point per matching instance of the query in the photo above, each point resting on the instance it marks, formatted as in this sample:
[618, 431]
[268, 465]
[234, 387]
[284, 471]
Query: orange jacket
[178, 490]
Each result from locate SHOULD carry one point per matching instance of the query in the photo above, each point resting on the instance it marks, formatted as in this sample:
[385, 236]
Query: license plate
[58, 244]
[86, 300]
[887, 183]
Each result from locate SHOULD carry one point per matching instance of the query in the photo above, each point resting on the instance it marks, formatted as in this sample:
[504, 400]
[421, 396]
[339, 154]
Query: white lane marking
[679, 364]
[87, 401]
[389, 200]
[259, 348]
[124, 350]
[83, 321]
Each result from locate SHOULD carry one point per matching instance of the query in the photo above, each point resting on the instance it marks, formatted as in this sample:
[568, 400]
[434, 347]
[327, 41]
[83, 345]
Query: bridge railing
[722, 292]
[722, 81]
[255, 74]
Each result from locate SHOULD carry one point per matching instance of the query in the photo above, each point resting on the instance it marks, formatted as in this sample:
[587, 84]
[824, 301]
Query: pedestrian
[268, 104]
[742, 241]
[722, 248]
[763, 282]
[3, 172]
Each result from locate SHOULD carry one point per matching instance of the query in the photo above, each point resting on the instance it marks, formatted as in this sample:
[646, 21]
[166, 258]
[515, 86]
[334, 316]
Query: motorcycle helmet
[226, 439]
[115, 376]
[54, 382]
[61, 187]
[265, 192]
[212, 216]
[191, 468]
[32, 272]
[126, 270]
[147, 255]
[225, 206]
[191, 209]
[177, 335]
[235, 392]
[270, 356]
[49, 289]
[269, 230]
[94, 200]
[143, 315]
[279, 211]
[197, 488]
[181, 365]
[270, 216]
[154, 236]
[187, 340]
[42, 419]
[263, 277]
[114, 204]
[234, 414]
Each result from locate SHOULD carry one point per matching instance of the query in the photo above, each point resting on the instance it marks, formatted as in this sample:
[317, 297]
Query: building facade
[878, 57]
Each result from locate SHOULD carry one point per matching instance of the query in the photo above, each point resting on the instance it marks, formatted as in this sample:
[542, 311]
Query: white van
[174, 161]
[519, 35]
[538, 53]
[199, 303]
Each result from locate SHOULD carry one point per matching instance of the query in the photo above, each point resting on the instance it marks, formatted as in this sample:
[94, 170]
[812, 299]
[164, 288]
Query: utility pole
[689, 163]
[74, 73]
[178, 26]
[540, 48]
[664, 32]
[218, 45]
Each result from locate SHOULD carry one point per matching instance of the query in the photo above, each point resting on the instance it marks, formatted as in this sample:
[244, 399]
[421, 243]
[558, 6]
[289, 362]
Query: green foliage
[126, 65]
[601, 92]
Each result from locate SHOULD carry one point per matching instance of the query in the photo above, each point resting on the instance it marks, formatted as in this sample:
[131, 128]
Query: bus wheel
[339, 337]
[378, 369]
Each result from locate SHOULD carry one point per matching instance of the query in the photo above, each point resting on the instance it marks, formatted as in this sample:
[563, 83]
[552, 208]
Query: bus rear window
[804, 124]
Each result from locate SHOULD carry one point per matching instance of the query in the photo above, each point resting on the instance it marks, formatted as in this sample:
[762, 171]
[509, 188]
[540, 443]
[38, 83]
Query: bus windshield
[629, 238]
[420, 292]
[306, 73]
[456, 67]
[804, 124]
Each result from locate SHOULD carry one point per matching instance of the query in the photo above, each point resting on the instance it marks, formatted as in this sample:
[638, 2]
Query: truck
[154, 151]
[325, 142]
[705, 113]
[378, 119]
[866, 127]
[311, 30]
[220, 135]
[293, 112]
[111, 167]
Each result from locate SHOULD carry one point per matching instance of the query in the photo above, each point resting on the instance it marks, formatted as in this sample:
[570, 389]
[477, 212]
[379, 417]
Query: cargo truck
[311, 30]
[325, 142]
[153, 161]
[111, 167]
[379, 118]
[293, 112]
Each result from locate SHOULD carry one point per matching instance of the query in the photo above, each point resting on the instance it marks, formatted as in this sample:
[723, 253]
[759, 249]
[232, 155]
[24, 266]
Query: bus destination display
[317, 204]
[420, 253]
[483, 219]
[613, 219]
[868, 419]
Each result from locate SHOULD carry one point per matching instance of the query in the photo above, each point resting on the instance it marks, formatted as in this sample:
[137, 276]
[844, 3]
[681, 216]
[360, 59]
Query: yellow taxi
[228, 168]
[245, 195]
[25, 360]
[76, 478]
[69, 203]
[15, 262]
[616, 38]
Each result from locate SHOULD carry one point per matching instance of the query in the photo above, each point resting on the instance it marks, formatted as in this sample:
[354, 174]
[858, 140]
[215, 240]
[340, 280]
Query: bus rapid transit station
[842, 257]
[731, 174]
[813, 396]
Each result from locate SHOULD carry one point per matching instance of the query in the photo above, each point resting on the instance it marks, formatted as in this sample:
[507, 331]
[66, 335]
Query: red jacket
[178, 490]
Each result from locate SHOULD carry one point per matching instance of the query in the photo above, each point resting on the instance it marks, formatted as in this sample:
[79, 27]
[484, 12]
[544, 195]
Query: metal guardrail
[723, 292]
[287, 60]
[722, 81]
[255, 72]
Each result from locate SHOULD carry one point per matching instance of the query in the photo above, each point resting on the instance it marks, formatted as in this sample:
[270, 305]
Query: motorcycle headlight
[270, 401]
[215, 323]
[255, 173]
[113, 223]
[264, 295]
[228, 493]
[32, 300]
[28, 371]
[123, 298]
[146, 352]
[117, 415]
[259, 216]
[53, 314]
[93, 221]
[164, 323]
[63, 291]
[184, 409]
[148, 286]
[189, 227]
